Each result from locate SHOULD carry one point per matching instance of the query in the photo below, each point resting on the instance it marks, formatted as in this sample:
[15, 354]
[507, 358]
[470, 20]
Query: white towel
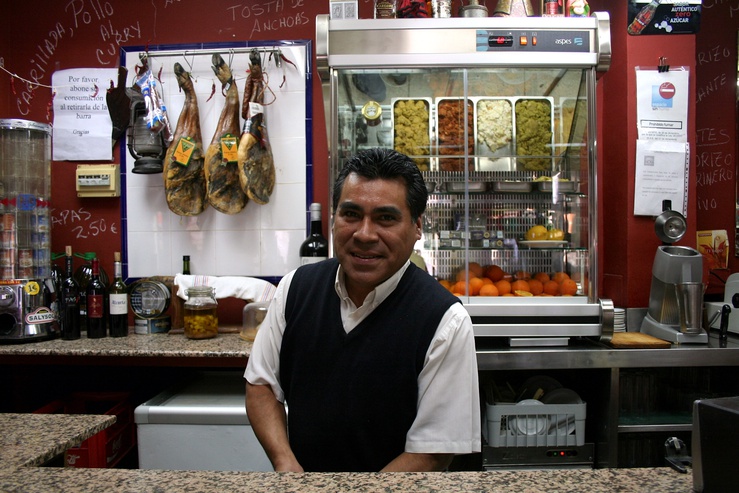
[246, 288]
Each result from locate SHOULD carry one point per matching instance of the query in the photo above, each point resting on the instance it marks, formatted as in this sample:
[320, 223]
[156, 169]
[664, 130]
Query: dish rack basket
[529, 425]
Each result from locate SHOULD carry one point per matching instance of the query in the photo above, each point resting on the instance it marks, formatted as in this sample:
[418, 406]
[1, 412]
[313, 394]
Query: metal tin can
[148, 299]
[156, 325]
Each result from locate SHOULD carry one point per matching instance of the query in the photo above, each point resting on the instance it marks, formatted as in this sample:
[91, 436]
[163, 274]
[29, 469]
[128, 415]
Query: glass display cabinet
[499, 115]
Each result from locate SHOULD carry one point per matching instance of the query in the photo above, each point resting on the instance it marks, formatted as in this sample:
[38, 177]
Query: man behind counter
[374, 358]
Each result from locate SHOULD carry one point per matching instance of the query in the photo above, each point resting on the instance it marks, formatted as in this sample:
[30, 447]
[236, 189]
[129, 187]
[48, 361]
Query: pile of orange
[492, 280]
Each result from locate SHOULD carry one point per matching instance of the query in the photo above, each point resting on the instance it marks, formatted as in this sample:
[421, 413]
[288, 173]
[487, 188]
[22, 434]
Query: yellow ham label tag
[184, 150]
[229, 149]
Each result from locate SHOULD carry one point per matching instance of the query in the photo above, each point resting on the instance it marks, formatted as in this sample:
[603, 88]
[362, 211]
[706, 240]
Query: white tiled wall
[261, 240]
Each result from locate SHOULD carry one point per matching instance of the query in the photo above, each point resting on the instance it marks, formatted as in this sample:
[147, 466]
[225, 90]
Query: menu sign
[663, 17]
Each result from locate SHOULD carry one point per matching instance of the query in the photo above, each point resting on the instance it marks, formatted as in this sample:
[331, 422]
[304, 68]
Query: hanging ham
[256, 165]
[184, 177]
[221, 161]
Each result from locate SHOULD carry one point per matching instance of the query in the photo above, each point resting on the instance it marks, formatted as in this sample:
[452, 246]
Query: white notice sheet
[82, 127]
[661, 174]
[662, 105]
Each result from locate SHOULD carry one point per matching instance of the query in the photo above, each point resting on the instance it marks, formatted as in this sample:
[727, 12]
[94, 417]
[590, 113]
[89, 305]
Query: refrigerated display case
[499, 114]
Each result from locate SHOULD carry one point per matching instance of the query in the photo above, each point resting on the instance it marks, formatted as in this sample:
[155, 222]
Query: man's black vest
[352, 398]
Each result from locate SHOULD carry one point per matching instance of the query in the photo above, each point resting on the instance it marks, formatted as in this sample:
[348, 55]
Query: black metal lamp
[147, 147]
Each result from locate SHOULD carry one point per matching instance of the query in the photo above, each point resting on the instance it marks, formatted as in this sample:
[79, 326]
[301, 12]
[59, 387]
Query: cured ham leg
[184, 178]
[221, 164]
[256, 165]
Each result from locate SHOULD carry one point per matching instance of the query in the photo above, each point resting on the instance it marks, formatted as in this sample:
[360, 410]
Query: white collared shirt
[448, 415]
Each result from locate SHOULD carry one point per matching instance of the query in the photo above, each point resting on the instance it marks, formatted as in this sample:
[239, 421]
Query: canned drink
[41, 256]
[40, 240]
[8, 222]
[7, 257]
[42, 222]
[7, 272]
[7, 239]
[25, 257]
[25, 273]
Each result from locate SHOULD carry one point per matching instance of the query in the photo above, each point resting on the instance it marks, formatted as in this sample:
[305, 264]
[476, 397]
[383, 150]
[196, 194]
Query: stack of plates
[619, 320]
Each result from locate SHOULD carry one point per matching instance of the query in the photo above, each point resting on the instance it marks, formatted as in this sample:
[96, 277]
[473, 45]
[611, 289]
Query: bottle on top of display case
[385, 9]
[551, 8]
[186, 265]
[97, 304]
[69, 300]
[578, 8]
[118, 301]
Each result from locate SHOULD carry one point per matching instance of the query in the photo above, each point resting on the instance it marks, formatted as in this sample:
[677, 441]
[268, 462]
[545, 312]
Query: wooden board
[637, 340]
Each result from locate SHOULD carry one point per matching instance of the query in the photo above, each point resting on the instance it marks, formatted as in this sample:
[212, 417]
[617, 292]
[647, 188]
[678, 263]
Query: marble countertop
[34, 439]
[227, 345]
[45, 480]
[28, 440]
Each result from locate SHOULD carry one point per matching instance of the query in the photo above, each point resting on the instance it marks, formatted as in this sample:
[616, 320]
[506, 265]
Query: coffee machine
[27, 294]
[27, 311]
[675, 311]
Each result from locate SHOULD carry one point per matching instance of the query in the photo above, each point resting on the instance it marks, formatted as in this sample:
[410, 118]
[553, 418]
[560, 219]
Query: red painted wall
[50, 35]
[82, 33]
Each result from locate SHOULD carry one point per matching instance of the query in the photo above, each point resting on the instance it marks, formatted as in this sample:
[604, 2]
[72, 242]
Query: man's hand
[269, 422]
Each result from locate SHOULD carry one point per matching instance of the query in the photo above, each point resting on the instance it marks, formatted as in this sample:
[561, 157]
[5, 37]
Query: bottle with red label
[643, 18]
[97, 304]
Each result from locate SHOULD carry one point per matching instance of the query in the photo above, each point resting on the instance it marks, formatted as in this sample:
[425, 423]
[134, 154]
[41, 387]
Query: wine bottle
[97, 304]
[315, 246]
[186, 265]
[69, 301]
[118, 301]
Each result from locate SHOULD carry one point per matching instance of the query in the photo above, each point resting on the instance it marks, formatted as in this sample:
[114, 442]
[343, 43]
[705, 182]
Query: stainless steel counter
[584, 353]
[229, 350]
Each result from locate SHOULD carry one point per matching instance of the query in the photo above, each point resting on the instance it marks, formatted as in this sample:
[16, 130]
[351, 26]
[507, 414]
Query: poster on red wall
[647, 17]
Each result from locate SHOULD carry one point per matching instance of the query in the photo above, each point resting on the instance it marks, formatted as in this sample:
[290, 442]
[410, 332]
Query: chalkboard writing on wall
[47, 35]
[716, 118]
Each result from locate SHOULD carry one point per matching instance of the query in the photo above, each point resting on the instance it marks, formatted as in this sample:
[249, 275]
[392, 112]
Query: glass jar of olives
[201, 313]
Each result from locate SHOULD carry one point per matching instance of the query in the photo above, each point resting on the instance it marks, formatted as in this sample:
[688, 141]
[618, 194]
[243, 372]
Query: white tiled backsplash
[259, 241]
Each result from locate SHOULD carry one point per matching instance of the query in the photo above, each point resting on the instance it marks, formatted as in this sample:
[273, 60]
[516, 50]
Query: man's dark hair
[380, 163]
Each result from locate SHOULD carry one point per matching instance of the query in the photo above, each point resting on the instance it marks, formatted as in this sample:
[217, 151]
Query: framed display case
[499, 115]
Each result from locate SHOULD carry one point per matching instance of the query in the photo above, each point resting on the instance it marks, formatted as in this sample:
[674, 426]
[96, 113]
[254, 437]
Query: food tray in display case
[572, 115]
[460, 187]
[562, 186]
[543, 243]
[494, 139]
[534, 135]
[450, 133]
[412, 123]
[512, 186]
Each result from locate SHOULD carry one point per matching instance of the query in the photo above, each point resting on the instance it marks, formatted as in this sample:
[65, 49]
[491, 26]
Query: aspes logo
[662, 95]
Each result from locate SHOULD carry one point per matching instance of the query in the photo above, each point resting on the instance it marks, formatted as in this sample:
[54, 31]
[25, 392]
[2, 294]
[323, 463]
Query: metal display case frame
[470, 54]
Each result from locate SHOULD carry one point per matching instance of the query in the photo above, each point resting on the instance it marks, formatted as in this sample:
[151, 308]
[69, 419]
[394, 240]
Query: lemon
[536, 233]
[555, 234]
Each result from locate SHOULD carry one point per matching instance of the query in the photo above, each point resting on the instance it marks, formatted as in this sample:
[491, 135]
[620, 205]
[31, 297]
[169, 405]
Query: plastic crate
[109, 446]
[526, 425]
